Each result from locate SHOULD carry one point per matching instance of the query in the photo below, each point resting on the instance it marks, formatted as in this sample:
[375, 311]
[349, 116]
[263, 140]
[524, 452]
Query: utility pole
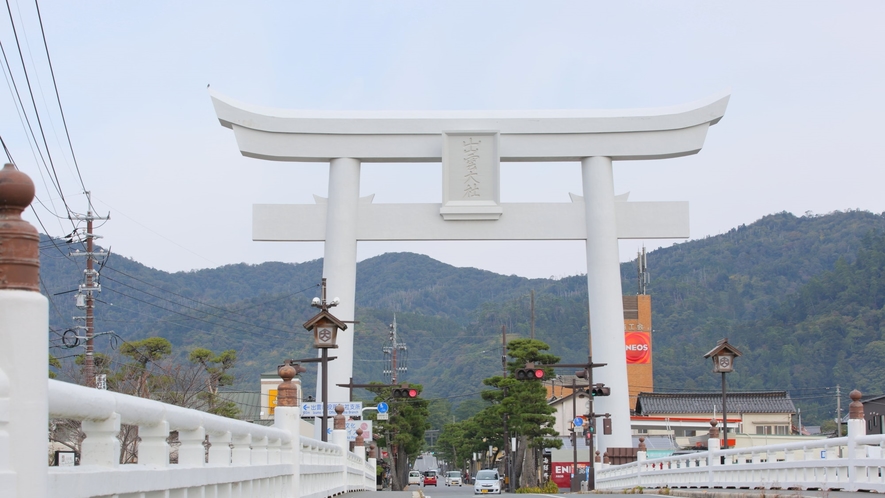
[838, 411]
[397, 351]
[508, 467]
[533, 314]
[85, 294]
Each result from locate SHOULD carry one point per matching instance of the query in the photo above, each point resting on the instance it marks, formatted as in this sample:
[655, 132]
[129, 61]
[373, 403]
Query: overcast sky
[803, 131]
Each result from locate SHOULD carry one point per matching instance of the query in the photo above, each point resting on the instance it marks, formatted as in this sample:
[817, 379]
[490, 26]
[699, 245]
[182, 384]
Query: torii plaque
[471, 146]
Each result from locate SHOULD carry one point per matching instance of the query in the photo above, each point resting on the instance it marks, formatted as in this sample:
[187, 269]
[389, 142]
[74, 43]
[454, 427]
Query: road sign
[579, 421]
[365, 425]
[351, 409]
[382, 407]
[383, 416]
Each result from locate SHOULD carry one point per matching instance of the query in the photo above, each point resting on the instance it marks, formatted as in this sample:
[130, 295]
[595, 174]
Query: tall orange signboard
[637, 345]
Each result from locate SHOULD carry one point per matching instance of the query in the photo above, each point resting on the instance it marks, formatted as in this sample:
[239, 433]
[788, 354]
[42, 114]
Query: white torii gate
[471, 146]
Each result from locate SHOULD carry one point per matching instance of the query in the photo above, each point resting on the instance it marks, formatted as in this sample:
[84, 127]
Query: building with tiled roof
[769, 412]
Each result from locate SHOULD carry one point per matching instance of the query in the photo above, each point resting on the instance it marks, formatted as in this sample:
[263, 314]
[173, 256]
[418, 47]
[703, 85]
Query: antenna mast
[642, 265]
[395, 354]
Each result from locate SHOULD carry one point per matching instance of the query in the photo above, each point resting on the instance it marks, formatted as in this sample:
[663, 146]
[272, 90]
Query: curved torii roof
[414, 136]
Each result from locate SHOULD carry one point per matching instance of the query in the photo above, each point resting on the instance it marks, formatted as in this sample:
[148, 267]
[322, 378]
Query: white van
[414, 477]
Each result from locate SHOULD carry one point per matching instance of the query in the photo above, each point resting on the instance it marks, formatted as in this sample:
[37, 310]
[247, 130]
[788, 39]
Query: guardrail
[217, 456]
[851, 463]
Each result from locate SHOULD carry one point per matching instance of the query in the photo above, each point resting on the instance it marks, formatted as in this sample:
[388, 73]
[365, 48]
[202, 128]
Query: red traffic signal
[530, 373]
[405, 392]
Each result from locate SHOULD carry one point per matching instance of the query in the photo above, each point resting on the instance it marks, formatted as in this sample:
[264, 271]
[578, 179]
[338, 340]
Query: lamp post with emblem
[325, 333]
[723, 362]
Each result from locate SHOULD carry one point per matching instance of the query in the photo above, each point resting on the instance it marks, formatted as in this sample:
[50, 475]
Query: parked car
[415, 477]
[453, 478]
[430, 478]
[487, 481]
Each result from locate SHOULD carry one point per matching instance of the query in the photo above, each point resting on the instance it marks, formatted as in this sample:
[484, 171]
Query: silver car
[487, 481]
[453, 478]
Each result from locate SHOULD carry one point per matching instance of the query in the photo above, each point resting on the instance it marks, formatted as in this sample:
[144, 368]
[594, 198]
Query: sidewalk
[748, 493]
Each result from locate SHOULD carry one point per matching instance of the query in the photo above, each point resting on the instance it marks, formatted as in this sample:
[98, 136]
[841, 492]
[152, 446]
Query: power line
[34, 104]
[57, 97]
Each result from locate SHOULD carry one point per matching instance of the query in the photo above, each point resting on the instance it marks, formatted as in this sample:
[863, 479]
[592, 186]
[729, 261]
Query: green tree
[54, 363]
[217, 369]
[524, 404]
[403, 432]
[146, 354]
[458, 442]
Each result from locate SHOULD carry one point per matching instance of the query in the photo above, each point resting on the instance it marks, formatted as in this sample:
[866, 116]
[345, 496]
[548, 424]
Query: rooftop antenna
[642, 265]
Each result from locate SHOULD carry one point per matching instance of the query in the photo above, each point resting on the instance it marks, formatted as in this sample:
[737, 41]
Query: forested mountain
[801, 297]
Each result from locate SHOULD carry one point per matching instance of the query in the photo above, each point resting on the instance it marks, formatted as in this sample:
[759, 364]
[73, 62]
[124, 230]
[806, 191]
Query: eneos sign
[638, 346]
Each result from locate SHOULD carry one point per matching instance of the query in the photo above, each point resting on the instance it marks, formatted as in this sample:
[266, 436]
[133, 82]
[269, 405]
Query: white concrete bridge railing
[851, 463]
[217, 456]
[242, 459]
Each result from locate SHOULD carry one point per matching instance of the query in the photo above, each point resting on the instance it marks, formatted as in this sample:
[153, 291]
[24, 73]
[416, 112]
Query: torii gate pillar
[471, 146]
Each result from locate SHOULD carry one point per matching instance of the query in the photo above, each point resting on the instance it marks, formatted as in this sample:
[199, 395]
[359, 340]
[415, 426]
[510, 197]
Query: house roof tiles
[705, 403]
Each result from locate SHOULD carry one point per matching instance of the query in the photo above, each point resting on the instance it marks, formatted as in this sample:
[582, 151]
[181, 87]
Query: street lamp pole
[325, 333]
[723, 362]
[724, 415]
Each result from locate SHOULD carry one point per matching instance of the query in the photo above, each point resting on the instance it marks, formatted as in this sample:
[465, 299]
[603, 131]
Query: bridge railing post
[713, 448]
[192, 453]
[153, 448]
[241, 454]
[219, 449]
[24, 320]
[339, 437]
[856, 428]
[288, 418]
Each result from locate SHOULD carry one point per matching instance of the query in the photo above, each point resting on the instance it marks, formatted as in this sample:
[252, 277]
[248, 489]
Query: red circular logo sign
[638, 346]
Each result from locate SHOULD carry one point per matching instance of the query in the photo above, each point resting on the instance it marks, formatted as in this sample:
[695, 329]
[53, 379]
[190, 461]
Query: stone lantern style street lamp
[325, 329]
[723, 356]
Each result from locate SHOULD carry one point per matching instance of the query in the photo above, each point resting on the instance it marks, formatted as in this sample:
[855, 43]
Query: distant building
[874, 414]
[259, 406]
[752, 413]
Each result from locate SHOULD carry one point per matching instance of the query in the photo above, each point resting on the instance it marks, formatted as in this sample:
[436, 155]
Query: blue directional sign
[351, 409]
[382, 407]
[579, 421]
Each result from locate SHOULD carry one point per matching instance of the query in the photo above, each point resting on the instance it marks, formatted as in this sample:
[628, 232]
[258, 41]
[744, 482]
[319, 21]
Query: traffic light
[600, 390]
[583, 374]
[591, 425]
[405, 392]
[530, 372]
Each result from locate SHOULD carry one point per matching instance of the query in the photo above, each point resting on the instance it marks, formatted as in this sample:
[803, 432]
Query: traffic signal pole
[574, 483]
[586, 373]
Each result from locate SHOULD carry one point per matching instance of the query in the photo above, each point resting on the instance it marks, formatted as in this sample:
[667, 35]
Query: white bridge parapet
[243, 459]
[217, 457]
[851, 463]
